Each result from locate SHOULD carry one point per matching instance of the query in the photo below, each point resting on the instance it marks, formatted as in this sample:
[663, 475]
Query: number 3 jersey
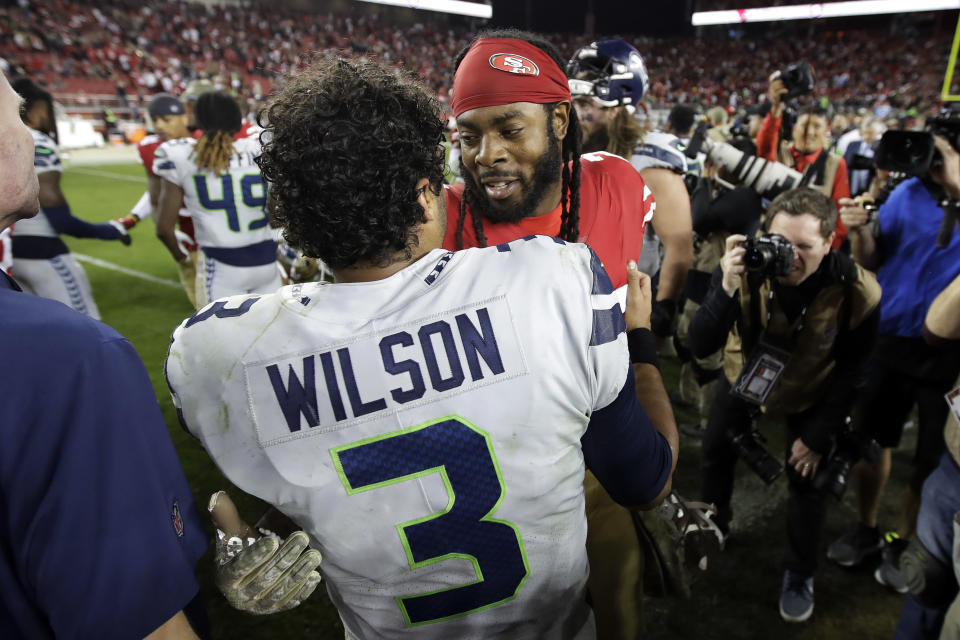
[228, 210]
[424, 429]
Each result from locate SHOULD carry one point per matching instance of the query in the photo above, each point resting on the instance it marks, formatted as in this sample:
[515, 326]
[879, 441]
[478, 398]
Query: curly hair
[345, 145]
[218, 114]
[570, 151]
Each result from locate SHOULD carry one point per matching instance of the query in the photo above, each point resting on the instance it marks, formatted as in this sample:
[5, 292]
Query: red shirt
[147, 148]
[768, 139]
[615, 206]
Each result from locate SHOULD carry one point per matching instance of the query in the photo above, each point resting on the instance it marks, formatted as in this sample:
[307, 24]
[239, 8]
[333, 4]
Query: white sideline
[108, 174]
[130, 272]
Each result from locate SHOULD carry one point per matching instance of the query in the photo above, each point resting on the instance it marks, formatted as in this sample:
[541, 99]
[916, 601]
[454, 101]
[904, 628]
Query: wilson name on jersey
[424, 429]
[228, 210]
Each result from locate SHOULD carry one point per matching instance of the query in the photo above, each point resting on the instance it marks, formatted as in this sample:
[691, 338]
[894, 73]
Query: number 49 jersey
[229, 210]
[424, 429]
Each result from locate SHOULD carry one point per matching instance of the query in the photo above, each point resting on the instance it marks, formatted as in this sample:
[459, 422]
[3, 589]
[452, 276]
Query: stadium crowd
[800, 266]
[140, 49]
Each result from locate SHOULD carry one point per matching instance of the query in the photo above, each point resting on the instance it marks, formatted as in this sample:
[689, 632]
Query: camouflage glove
[260, 574]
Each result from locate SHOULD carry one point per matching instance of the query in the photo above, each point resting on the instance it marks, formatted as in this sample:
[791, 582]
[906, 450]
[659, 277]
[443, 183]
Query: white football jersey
[424, 430]
[659, 150]
[228, 211]
[46, 159]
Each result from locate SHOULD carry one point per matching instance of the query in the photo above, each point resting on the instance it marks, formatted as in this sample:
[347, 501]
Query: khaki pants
[616, 565]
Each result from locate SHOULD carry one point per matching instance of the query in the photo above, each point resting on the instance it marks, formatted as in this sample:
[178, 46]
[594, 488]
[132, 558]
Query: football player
[170, 123]
[217, 179]
[608, 79]
[521, 158]
[426, 419]
[42, 261]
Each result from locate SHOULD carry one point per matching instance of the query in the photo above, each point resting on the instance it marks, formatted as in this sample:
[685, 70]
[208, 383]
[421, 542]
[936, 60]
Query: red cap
[499, 71]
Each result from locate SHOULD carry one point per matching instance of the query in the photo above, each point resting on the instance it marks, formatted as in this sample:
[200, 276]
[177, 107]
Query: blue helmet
[611, 71]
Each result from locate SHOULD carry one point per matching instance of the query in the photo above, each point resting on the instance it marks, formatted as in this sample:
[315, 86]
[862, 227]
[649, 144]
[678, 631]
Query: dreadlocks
[218, 115]
[570, 152]
[33, 95]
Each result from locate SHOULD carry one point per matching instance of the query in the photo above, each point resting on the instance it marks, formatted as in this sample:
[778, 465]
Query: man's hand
[732, 264]
[257, 574]
[639, 298]
[852, 213]
[123, 225]
[947, 175]
[803, 459]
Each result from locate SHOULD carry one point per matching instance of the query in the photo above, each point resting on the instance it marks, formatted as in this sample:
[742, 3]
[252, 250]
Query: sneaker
[796, 597]
[888, 573]
[855, 546]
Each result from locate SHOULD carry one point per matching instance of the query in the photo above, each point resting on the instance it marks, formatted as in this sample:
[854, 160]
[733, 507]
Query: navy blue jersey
[99, 533]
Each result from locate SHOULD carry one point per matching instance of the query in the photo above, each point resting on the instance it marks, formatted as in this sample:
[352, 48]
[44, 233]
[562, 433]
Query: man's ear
[424, 197]
[561, 119]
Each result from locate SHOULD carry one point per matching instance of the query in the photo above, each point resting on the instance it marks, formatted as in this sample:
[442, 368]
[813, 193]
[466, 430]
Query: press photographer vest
[848, 296]
[825, 166]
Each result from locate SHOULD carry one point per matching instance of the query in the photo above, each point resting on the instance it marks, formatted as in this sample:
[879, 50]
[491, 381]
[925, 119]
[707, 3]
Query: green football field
[737, 598]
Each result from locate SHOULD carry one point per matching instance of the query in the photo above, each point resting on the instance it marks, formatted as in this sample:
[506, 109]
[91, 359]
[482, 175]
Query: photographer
[807, 153]
[900, 243]
[810, 313]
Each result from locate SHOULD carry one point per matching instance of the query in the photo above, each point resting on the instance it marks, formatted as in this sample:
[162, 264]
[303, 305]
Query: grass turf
[737, 599]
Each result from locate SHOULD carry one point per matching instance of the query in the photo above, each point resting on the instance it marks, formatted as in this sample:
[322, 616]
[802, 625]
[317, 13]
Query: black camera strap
[815, 171]
[756, 329]
[768, 355]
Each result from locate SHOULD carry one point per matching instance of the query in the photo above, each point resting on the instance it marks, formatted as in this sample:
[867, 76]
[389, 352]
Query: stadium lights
[820, 10]
[473, 9]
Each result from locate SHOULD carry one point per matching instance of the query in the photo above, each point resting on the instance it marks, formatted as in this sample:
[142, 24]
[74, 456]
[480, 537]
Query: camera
[749, 447]
[851, 446]
[798, 80]
[766, 178]
[770, 255]
[914, 152]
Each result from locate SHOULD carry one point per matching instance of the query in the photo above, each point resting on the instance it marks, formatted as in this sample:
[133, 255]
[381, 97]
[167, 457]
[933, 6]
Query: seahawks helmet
[611, 71]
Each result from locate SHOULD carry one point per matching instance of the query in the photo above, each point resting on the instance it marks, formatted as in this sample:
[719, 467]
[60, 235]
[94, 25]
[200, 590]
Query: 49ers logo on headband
[514, 63]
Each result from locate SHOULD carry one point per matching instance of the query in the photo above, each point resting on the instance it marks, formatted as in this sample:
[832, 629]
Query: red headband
[500, 71]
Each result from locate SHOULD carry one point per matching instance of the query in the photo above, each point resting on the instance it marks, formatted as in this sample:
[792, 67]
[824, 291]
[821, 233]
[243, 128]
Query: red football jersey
[615, 206]
[147, 148]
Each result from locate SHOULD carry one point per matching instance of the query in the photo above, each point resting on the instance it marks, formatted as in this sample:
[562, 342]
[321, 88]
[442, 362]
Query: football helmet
[611, 71]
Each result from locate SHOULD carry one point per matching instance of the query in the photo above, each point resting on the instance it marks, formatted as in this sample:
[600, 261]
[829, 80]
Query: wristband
[642, 346]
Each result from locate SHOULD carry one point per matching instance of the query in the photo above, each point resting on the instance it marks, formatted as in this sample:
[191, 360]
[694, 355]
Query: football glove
[123, 225]
[185, 242]
[260, 574]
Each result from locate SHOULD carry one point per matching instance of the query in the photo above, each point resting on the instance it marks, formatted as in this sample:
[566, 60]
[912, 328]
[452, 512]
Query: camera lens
[754, 259]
